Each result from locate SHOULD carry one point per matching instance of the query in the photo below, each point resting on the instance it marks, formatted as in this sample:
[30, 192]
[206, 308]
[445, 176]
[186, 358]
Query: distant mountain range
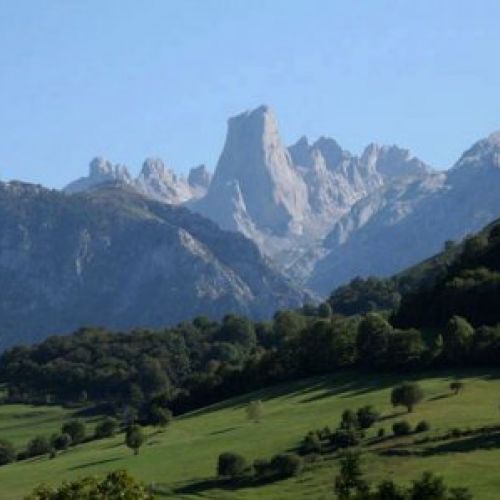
[323, 214]
[271, 223]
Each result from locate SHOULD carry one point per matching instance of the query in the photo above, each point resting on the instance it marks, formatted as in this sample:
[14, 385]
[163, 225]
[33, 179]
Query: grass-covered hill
[180, 462]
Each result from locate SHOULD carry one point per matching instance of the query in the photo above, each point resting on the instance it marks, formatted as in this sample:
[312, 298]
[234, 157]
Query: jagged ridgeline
[323, 214]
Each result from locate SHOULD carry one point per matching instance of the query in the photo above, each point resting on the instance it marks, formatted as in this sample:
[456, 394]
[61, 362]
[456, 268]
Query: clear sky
[130, 79]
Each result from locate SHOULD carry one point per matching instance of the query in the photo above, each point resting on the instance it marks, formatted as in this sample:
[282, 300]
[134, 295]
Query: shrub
[345, 438]
[457, 386]
[76, 429]
[134, 438]
[7, 452]
[106, 428]
[324, 433]
[367, 416]
[38, 446]
[423, 426]
[311, 444]
[381, 432]
[349, 420]
[401, 428]
[287, 465]
[407, 394]
[262, 468]
[61, 441]
[117, 484]
[231, 465]
[254, 410]
[159, 416]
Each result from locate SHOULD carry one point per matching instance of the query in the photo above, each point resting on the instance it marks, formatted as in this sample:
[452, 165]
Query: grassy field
[181, 460]
[19, 423]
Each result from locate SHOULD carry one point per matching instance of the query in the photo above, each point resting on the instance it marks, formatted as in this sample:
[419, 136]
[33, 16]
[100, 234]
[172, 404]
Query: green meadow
[180, 462]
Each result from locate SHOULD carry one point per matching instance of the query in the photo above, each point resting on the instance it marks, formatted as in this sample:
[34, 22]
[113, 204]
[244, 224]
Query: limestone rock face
[155, 180]
[162, 183]
[271, 189]
[101, 171]
[410, 219]
[199, 179]
[288, 199]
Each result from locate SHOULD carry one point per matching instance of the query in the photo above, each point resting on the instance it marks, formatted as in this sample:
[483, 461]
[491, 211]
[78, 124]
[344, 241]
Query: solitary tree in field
[254, 410]
[407, 394]
[134, 438]
[457, 386]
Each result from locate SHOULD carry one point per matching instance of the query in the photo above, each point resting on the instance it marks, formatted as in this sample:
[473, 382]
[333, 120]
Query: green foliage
[231, 465]
[327, 345]
[423, 426]
[117, 484]
[38, 446]
[372, 341]
[324, 310]
[106, 428]
[401, 428]
[407, 394]
[311, 444]
[345, 438]
[134, 438]
[362, 296]
[457, 386]
[254, 410]
[457, 339]
[7, 452]
[349, 420]
[428, 487]
[286, 464]
[61, 441]
[468, 286]
[350, 479]
[405, 348]
[367, 416]
[76, 429]
[160, 417]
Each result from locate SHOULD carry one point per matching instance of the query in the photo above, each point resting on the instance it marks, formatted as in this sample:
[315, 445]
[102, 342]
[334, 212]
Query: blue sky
[130, 79]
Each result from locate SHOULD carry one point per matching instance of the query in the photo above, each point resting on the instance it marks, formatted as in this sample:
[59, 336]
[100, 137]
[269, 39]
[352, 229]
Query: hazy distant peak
[483, 153]
[494, 138]
[199, 177]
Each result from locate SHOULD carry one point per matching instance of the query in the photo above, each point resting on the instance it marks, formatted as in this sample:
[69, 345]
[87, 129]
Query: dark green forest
[442, 313]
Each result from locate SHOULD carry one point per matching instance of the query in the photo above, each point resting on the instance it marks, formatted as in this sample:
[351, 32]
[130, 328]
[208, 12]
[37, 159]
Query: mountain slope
[110, 256]
[410, 220]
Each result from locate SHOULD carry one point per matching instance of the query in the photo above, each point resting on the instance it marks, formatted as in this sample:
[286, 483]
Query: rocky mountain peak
[274, 194]
[153, 167]
[330, 150]
[392, 162]
[100, 167]
[199, 177]
[160, 182]
[100, 171]
[484, 153]
[300, 152]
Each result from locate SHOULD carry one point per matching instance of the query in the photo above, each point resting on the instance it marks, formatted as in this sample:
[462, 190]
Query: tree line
[199, 362]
